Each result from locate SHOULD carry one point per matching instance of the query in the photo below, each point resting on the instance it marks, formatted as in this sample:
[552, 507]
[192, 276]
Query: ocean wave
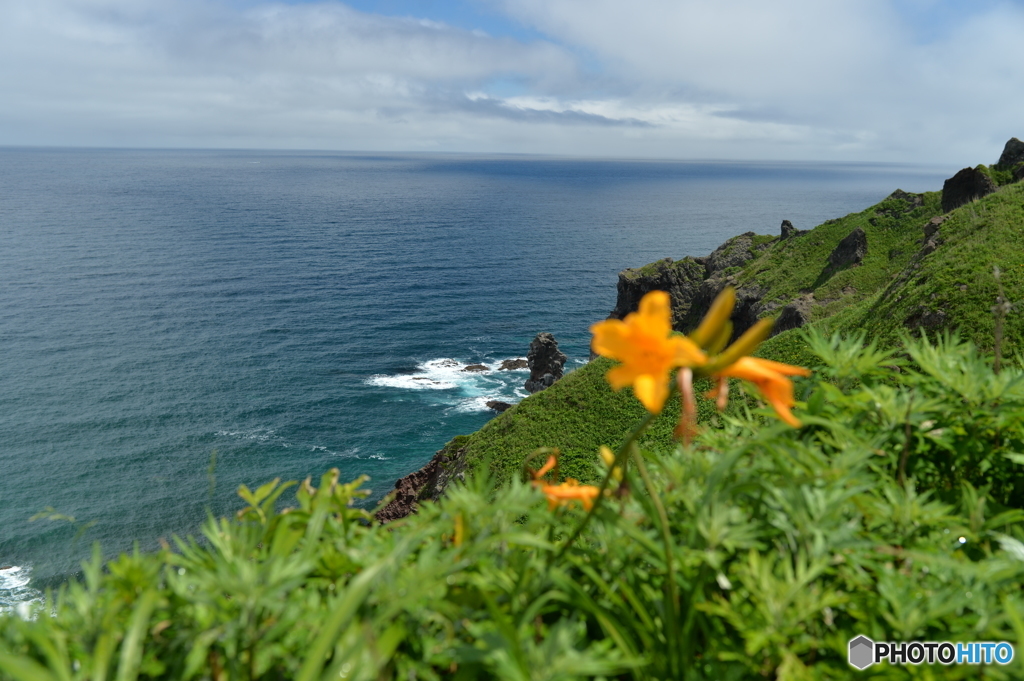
[471, 390]
[15, 593]
[260, 435]
[471, 405]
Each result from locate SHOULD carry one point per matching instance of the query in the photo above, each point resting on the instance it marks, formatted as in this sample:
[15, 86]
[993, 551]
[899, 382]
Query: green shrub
[757, 552]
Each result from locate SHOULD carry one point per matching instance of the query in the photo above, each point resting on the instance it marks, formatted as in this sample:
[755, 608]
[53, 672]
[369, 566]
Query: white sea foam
[15, 593]
[472, 405]
[472, 389]
[260, 435]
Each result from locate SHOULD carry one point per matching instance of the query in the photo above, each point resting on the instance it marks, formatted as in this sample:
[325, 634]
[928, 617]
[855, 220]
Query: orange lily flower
[648, 350]
[771, 380]
[548, 465]
[570, 490]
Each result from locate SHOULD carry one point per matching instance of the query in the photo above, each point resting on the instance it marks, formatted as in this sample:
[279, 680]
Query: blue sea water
[294, 312]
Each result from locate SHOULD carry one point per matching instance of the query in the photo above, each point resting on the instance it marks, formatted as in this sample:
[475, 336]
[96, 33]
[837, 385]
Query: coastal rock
[498, 405]
[735, 252]
[850, 251]
[1013, 153]
[896, 205]
[748, 308]
[513, 364]
[966, 186]
[427, 484]
[681, 279]
[545, 362]
[910, 201]
[794, 314]
[475, 368]
[788, 230]
[693, 283]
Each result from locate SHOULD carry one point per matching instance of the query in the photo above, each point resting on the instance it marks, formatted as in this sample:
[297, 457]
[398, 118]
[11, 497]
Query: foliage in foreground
[762, 552]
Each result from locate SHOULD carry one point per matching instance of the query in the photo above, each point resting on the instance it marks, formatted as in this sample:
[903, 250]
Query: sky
[924, 81]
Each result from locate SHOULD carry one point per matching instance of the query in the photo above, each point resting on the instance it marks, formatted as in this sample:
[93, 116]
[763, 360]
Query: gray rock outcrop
[932, 240]
[693, 283]
[545, 361]
[788, 230]
[1013, 153]
[966, 186]
[681, 279]
[475, 368]
[931, 228]
[427, 484]
[498, 405]
[850, 251]
[513, 364]
[794, 314]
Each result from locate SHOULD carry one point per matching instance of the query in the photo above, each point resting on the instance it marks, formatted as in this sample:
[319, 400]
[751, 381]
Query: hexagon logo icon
[862, 651]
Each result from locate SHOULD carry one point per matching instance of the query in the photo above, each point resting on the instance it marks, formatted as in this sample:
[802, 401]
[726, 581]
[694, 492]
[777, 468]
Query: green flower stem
[620, 460]
[672, 611]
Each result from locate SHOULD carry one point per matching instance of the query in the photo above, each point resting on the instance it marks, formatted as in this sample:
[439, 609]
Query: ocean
[176, 323]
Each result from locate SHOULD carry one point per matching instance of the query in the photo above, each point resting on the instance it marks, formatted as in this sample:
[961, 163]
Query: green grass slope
[799, 266]
[955, 286]
[577, 414]
[896, 286]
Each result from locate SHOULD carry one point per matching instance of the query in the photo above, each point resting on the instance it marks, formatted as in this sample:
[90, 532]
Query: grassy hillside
[955, 286]
[898, 285]
[758, 553]
[577, 414]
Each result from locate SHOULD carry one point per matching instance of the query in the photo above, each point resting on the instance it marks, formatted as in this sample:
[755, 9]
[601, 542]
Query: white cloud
[665, 78]
[274, 75]
[851, 73]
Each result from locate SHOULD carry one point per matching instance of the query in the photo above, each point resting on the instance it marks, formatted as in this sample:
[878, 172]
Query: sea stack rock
[545, 362]
[966, 186]
[788, 230]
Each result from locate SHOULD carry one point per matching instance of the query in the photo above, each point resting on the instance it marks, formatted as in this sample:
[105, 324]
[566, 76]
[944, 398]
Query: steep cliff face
[692, 283]
[427, 483]
[680, 278]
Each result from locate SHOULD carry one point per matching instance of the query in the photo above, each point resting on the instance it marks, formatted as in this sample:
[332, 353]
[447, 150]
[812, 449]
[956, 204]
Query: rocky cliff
[427, 483]
[692, 283]
[798, 274]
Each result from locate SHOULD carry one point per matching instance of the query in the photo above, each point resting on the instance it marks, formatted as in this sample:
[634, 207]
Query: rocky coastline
[693, 282]
[427, 483]
[545, 362]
